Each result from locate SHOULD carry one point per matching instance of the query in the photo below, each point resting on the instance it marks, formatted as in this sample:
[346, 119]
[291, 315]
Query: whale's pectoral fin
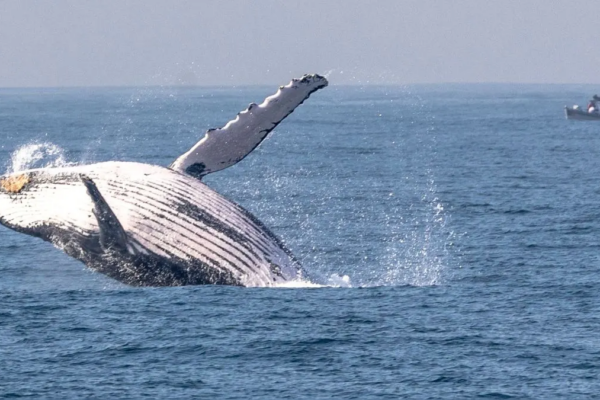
[222, 148]
[112, 235]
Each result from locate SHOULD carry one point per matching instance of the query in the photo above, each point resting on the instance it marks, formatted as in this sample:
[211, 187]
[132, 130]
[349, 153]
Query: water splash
[334, 281]
[398, 232]
[37, 155]
[419, 257]
[298, 284]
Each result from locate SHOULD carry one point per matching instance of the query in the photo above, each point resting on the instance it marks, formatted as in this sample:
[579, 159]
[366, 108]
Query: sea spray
[37, 155]
[419, 255]
[418, 252]
[393, 230]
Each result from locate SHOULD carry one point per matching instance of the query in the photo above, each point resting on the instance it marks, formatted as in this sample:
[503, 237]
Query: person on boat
[592, 107]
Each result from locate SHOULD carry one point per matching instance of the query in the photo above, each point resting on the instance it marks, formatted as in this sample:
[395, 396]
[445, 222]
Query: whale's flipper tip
[319, 81]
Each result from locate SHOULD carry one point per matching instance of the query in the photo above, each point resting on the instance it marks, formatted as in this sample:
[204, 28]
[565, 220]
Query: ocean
[451, 234]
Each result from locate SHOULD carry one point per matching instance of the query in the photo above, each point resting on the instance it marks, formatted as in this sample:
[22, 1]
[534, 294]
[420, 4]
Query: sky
[49, 43]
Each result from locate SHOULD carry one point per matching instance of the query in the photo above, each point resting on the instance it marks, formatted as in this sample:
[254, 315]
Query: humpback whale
[148, 225]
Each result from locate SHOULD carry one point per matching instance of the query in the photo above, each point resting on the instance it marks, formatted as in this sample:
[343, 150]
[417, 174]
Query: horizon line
[221, 86]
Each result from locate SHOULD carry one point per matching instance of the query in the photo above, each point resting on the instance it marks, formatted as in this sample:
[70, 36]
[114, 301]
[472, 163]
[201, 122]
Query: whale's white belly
[166, 213]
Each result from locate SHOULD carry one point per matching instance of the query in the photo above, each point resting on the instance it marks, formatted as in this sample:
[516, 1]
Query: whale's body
[146, 225]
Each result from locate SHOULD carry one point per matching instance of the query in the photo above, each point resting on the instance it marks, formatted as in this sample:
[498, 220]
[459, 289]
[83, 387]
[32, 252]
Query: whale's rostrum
[147, 225]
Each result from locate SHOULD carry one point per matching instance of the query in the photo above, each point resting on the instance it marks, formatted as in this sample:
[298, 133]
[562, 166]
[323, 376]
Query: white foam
[37, 155]
[334, 281]
[296, 284]
[339, 281]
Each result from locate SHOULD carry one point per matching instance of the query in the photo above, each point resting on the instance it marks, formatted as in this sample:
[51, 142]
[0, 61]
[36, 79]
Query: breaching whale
[147, 225]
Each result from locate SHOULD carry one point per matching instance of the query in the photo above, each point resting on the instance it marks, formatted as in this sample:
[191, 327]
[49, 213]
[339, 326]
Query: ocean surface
[466, 218]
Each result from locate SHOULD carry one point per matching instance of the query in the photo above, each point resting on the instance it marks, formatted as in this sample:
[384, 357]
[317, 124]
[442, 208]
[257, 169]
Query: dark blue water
[467, 218]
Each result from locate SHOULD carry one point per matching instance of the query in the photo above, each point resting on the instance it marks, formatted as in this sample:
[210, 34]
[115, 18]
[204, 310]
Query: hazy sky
[233, 42]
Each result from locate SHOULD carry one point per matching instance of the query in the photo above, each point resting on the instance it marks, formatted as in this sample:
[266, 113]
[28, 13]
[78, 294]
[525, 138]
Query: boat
[577, 113]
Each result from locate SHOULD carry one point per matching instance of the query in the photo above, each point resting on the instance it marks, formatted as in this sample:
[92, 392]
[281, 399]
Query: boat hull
[580, 115]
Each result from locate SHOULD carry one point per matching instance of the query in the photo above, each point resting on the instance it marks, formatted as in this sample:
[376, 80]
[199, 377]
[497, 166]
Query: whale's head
[15, 199]
[35, 202]
[19, 201]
